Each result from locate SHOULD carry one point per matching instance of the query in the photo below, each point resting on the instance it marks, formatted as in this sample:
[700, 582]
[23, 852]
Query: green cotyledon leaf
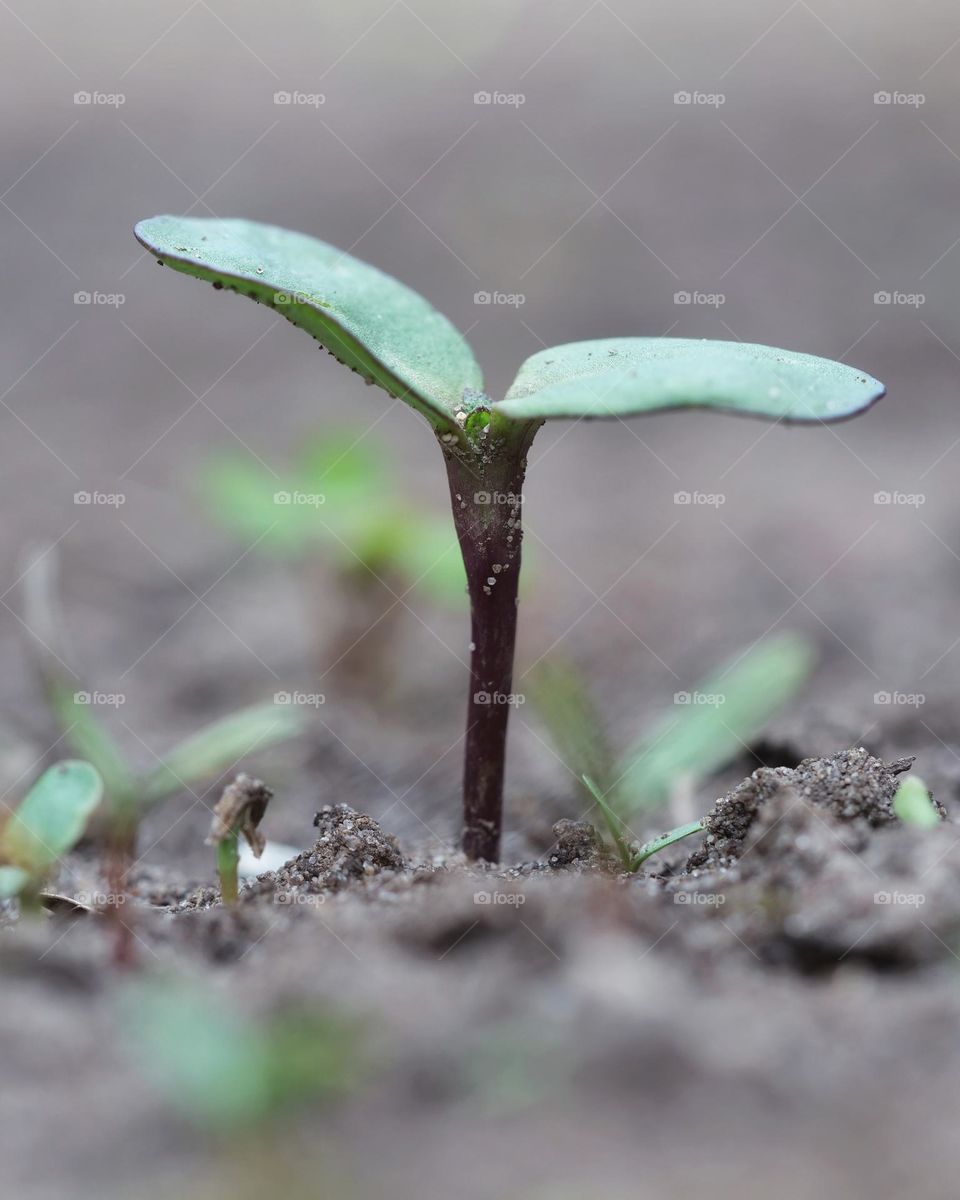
[368, 320]
[624, 377]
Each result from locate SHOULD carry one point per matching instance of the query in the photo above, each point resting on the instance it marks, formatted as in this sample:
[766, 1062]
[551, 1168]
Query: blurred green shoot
[632, 856]
[913, 805]
[46, 824]
[229, 1072]
[339, 495]
[704, 731]
[129, 793]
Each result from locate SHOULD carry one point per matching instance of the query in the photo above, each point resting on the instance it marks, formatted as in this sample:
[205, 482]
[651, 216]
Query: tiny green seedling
[238, 811]
[392, 337]
[914, 806]
[702, 732]
[632, 856]
[229, 1072]
[46, 824]
[320, 506]
[129, 792]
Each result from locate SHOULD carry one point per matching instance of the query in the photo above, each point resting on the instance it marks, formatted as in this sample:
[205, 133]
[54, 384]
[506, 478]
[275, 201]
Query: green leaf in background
[369, 321]
[913, 805]
[219, 746]
[358, 517]
[563, 701]
[717, 721]
[51, 818]
[12, 881]
[624, 377]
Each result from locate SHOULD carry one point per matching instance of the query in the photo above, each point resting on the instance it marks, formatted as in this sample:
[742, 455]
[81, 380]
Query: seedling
[392, 337]
[46, 824]
[130, 792]
[229, 1072]
[913, 805]
[238, 811]
[632, 856]
[702, 732]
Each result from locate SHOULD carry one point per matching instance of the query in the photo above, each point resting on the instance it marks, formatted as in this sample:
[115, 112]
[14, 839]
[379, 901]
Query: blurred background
[779, 173]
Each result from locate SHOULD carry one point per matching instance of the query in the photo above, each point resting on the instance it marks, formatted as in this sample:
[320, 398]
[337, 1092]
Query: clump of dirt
[351, 847]
[809, 867]
[578, 845]
[851, 787]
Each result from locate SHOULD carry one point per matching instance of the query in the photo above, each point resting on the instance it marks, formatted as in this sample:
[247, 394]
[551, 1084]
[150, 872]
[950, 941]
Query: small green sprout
[704, 730]
[632, 856]
[914, 805]
[238, 811]
[320, 506]
[46, 824]
[129, 792]
[391, 336]
[230, 1072]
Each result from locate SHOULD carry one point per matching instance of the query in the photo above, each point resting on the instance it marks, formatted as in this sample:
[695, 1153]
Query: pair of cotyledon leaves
[390, 335]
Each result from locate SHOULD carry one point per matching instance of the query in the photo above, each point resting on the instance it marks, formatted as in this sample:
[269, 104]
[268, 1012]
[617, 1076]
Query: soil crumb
[351, 847]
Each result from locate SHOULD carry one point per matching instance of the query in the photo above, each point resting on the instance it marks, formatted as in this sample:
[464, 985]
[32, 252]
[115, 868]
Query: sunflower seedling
[46, 824]
[392, 337]
[238, 811]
